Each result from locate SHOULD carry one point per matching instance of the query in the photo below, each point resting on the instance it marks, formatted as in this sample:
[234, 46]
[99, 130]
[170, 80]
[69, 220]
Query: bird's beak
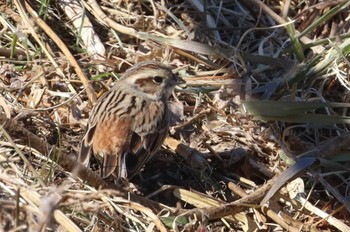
[179, 80]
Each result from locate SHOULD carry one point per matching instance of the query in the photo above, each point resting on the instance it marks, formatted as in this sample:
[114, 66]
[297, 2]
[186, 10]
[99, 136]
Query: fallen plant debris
[259, 135]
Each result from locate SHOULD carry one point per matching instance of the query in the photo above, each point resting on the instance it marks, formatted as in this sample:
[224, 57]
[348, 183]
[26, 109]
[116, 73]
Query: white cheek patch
[150, 96]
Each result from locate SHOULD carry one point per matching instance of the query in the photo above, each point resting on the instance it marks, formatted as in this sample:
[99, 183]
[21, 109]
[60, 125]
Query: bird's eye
[157, 79]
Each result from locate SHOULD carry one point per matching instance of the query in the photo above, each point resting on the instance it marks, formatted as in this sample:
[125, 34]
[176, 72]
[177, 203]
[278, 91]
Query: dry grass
[259, 138]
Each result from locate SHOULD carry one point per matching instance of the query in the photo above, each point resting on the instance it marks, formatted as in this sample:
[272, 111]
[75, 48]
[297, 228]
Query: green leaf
[100, 76]
[169, 221]
[296, 112]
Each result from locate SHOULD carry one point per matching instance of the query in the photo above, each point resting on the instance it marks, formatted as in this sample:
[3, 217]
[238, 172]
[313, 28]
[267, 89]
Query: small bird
[129, 123]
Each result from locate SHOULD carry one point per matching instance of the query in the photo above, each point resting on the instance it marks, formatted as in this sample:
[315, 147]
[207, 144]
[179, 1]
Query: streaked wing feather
[85, 148]
[84, 154]
[110, 162]
[136, 143]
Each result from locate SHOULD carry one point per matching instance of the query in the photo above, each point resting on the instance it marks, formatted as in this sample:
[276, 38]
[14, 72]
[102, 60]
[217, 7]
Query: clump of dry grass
[263, 118]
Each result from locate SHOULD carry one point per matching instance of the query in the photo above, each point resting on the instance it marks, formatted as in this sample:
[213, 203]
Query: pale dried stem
[89, 90]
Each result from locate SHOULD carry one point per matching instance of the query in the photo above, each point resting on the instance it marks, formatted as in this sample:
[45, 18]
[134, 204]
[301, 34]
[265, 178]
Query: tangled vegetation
[259, 135]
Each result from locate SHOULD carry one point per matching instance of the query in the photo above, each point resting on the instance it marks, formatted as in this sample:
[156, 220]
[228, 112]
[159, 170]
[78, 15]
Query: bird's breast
[149, 118]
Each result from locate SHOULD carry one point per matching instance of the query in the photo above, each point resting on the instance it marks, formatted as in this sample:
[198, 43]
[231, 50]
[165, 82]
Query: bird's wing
[86, 143]
[85, 146]
[142, 148]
